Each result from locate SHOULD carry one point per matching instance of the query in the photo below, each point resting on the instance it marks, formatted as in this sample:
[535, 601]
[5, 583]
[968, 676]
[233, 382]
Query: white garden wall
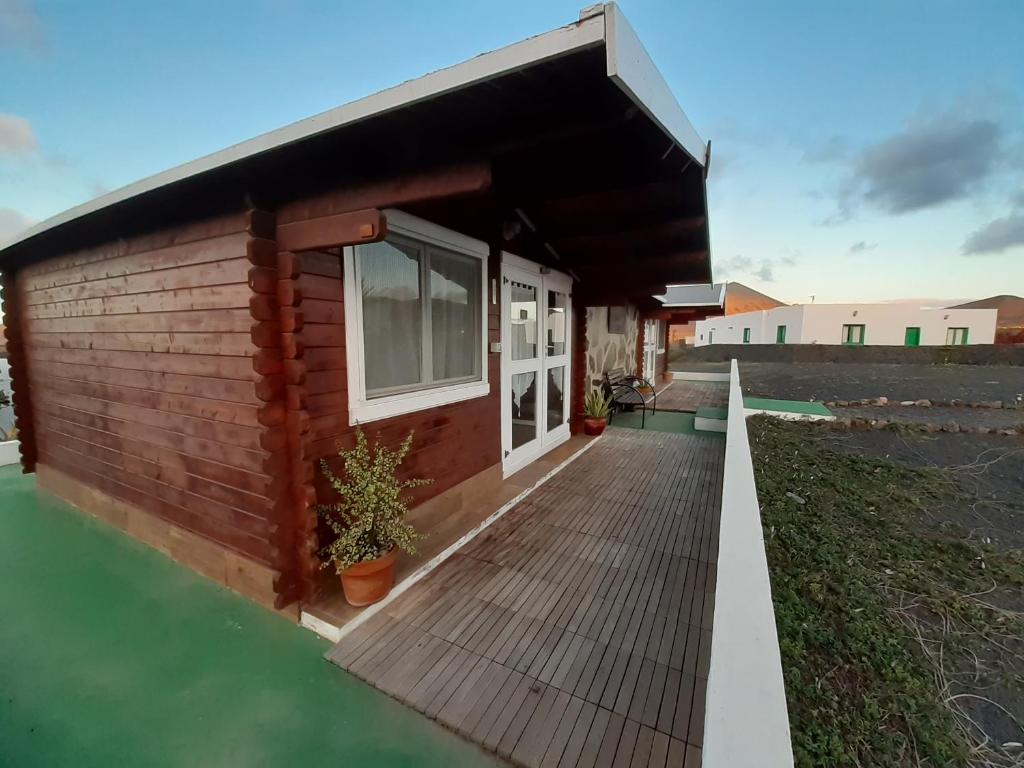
[6, 413]
[746, 721]
[884, 324]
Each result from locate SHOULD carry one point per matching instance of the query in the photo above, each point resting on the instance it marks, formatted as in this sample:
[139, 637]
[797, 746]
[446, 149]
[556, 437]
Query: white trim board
[335, 634]
[699, 376]
[745, 684]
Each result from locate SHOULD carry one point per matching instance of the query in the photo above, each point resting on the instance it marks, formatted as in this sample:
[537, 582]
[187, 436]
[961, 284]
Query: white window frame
[362, 409]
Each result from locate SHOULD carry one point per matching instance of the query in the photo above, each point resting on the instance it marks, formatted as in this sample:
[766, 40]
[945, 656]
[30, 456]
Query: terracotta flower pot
[370, 581]
[592, 426]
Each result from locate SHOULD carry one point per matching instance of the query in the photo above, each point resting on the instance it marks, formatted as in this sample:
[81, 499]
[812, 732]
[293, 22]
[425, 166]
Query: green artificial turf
[113, 655]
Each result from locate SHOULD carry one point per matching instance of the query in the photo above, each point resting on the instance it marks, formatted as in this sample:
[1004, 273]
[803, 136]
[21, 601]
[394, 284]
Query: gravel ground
[852, 381]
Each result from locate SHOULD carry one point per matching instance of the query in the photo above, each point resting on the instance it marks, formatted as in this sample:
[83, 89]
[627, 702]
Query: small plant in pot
[595, 413]
[368, 519]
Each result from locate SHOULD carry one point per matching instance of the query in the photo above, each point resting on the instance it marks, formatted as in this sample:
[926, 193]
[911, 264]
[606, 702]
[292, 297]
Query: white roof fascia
[631, 68]
[487, 66]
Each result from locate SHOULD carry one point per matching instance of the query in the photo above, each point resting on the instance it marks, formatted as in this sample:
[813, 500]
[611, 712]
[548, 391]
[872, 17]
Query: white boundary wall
[6, 413]
[746, 721]
[884, 324]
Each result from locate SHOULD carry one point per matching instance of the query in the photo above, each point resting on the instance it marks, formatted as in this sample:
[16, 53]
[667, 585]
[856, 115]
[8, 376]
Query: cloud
[21, 29]
[996, 236]
[11, 223]
[764, 272]
[763, 269]
[925, 165]
[861, 246]
[16, 134]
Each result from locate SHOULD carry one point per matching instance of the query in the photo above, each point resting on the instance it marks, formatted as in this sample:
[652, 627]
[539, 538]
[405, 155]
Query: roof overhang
[676, 296]
[586, 141]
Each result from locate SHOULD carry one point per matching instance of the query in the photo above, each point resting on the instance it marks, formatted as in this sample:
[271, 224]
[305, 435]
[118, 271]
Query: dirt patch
[992, 418]
[897, 576]
[851, 381]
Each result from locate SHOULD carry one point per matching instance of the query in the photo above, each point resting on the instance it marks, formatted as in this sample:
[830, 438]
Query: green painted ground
[662, 421]
[114, 655]
[786, 406]
[708, 412]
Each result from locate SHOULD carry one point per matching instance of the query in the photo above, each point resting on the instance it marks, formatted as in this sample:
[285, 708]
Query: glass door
[536, 331]
[650, 349]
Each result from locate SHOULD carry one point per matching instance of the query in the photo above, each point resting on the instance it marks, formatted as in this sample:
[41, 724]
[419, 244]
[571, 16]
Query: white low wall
[9, 453]
[6, 413]
[746, 723]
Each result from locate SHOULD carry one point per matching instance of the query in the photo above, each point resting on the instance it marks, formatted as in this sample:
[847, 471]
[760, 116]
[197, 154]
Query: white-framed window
[956, 336]
[415, 319]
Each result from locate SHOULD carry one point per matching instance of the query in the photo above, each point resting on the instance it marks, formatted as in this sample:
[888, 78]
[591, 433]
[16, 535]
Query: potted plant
[595, 413]
[368, 519]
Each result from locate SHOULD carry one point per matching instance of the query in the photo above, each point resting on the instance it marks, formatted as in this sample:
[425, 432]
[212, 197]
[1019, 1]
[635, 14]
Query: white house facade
[853, 324]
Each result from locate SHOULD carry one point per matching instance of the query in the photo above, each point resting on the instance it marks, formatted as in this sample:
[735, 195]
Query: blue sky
[862, 151]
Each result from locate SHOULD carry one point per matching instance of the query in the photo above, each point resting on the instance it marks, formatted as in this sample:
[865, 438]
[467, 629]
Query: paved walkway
[576, 630]
[682, 395]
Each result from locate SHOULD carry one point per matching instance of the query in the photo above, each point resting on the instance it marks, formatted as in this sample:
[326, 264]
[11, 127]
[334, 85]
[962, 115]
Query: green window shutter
[853, 334]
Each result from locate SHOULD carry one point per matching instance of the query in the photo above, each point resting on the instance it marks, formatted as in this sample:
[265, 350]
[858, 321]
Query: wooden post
[276, 309]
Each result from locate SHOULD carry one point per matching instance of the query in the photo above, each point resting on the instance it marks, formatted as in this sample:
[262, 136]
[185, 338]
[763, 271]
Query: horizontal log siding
[451, 444]
[141, 368]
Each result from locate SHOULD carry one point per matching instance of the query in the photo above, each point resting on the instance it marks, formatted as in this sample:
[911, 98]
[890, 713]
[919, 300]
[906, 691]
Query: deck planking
[576, 630]
[683, 395]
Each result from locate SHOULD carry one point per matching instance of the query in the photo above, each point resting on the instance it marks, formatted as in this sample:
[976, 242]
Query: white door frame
[514, 267]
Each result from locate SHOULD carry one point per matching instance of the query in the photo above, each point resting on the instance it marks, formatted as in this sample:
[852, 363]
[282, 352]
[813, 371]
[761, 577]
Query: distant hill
[1009, 319]
[1011, 309]
[739, 298]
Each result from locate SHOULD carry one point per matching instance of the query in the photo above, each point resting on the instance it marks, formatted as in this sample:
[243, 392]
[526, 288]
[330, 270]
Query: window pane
[392, 314]
[524, 408]
[557, 327]
[556, 397]
[455, 315]
[524, 321]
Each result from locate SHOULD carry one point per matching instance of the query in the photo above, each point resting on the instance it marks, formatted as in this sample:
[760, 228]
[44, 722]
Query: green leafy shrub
[369, 517]
[596, 405]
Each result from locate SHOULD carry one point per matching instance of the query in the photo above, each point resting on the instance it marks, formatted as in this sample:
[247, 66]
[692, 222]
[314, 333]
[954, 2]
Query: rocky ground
[851, 381]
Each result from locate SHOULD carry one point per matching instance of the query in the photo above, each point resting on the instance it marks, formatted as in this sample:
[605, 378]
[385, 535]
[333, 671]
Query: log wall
[451, 444]
[140, 361]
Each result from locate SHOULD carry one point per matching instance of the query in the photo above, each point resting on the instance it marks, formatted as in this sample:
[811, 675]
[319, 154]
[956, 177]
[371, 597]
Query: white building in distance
[856, 324]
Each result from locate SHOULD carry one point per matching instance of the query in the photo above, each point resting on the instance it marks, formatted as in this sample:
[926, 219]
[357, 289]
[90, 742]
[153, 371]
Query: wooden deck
[576, 630]
[684, 395]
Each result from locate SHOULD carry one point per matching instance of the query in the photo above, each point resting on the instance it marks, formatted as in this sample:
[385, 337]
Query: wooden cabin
[185, 350]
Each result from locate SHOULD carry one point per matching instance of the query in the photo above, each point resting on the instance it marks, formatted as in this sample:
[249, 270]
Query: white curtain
[455, 315]
[392, 314]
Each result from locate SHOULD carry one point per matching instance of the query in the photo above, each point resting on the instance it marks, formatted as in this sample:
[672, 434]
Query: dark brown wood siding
[452, 442]
[141, 369]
